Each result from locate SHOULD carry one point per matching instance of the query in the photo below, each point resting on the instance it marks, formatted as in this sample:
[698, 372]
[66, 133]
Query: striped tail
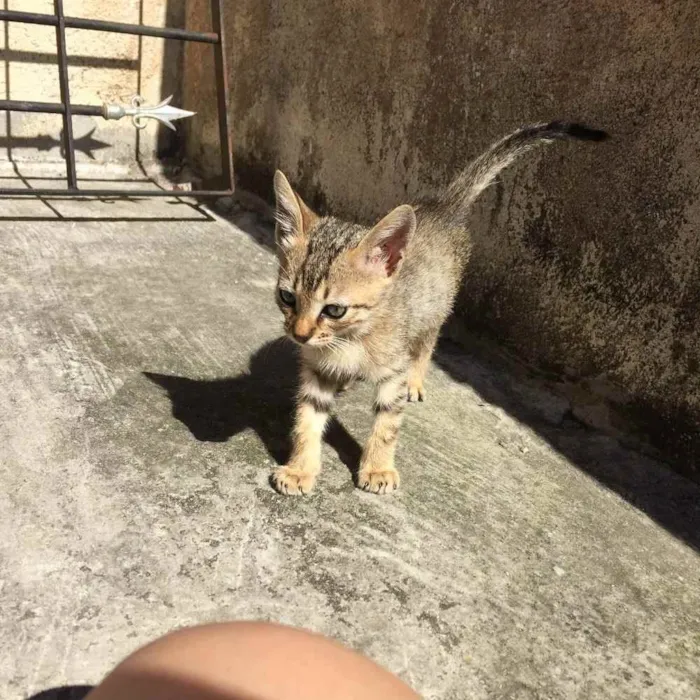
[477, 176]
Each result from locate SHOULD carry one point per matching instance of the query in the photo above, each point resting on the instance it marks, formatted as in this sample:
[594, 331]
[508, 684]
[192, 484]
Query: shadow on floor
[86, 143]
[187, 210]
[261, 399]
[66, 692]
[668, 498]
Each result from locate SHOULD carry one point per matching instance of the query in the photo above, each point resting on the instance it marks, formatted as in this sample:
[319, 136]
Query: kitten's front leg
[313, 406]
[377, 472]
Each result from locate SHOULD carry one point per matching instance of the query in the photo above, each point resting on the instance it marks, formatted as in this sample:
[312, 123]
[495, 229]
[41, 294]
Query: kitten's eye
[287, 297]
[334, 311]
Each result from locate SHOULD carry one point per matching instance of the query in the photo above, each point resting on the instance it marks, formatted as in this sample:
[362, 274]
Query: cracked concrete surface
[144, 402]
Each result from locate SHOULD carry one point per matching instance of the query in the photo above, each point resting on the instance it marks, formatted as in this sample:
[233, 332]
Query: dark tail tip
[577, 131]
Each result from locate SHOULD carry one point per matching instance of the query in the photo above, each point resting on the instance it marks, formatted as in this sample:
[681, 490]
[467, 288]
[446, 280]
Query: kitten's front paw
[290, 481]
[416, 392]
[379, 481]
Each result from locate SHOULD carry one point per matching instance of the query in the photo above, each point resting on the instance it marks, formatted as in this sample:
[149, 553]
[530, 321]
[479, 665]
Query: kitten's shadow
[261, 399]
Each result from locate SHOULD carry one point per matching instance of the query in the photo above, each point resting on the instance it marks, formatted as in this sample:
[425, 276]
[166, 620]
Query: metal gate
[163, 112]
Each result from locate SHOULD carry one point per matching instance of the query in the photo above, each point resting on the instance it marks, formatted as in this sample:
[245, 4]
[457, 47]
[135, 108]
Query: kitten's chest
[347, 362]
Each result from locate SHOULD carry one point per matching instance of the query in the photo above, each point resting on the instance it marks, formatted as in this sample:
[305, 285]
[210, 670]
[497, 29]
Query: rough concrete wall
[587, 257]
[103, 67]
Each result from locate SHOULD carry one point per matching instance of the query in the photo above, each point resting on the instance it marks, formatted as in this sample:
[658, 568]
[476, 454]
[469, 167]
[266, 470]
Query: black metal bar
[65, 95]
[118, 27]
[222, 95]
[67, 110]
[49, 108]
[4, 192]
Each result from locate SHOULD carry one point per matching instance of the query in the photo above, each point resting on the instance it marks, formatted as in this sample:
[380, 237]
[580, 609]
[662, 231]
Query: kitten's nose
[303, 330]
[301, 337]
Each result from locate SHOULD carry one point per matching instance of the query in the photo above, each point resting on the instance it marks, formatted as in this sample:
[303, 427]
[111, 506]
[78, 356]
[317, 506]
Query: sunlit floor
[144, 402]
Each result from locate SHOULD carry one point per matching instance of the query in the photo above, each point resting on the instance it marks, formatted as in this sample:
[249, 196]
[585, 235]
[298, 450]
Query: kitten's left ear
[294, 218]
[382, 249]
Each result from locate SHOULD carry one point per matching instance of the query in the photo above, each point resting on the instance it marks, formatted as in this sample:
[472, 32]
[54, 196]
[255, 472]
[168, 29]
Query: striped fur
[397, 282]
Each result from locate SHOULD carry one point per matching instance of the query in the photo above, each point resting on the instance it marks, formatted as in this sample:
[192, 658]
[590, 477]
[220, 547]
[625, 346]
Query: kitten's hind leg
[314, 403]
[377, 472]
[420, 361]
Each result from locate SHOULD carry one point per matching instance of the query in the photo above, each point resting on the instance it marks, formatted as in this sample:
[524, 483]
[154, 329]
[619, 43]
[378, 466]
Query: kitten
[369, 303]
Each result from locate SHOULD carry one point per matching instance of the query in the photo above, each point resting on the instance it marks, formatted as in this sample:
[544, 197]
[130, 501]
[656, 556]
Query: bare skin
[248, 661]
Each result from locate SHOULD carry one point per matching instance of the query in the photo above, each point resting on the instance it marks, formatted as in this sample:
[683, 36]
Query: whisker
[338, 343]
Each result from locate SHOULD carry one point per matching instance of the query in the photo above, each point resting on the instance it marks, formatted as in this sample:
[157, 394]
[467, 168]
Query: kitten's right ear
[294, 218]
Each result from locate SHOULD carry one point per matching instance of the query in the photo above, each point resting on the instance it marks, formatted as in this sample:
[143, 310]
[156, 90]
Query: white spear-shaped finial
[163, 112]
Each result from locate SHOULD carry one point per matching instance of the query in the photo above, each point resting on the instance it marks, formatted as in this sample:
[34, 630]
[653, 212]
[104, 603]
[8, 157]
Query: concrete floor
[144, 402]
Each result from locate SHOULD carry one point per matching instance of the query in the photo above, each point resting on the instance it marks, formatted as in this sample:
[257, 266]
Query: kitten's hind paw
[416, 392]
[293, 482]
[380, 481]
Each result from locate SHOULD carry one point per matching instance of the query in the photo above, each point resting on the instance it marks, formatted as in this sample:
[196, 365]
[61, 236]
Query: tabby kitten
[369, 303]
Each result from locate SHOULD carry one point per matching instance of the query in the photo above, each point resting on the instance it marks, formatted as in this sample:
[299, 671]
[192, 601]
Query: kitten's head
[332, 273]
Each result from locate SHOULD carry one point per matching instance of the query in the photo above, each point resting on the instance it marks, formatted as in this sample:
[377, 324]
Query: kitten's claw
[416, 392]
[293, 482]
[380, 481]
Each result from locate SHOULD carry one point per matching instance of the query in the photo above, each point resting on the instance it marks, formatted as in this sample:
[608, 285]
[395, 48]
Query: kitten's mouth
[311, 342]
[320, 342]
